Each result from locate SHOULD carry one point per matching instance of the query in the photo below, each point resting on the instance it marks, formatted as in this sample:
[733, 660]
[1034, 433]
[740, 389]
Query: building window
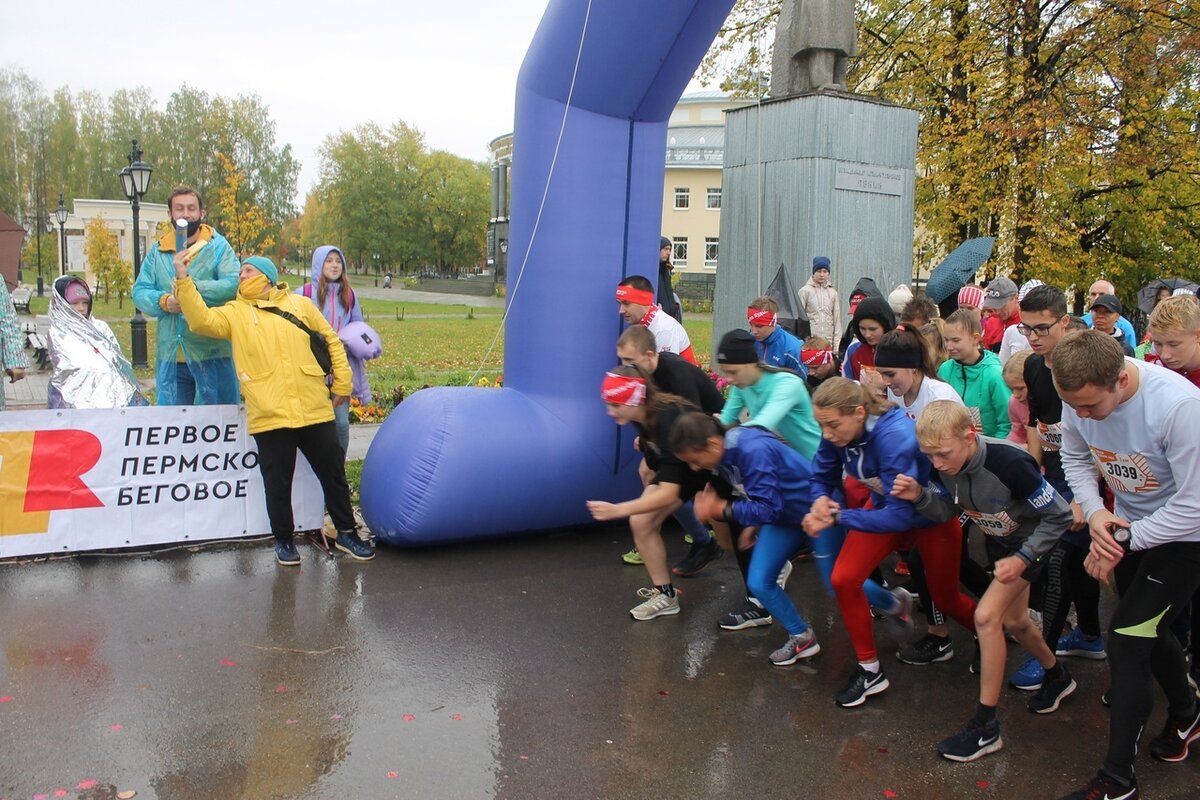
[714, 198]
[711, 246]
[683, 198]
[679, 251]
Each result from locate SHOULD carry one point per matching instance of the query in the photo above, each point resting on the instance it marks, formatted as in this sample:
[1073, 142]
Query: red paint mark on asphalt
[60, 792]
[6, 699]
[524, 758]
[408, 717]
[663, 693]
[116, 728]
[393, 774]
[882, 750]
[88, 784]
[41, 797]
[456, 717]
[280, 689]
[335, 717]
[888, 793]
[228, 662]
[982, 784]
[289, 722]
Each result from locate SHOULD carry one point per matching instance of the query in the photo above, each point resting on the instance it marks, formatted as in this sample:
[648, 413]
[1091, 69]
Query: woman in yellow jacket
[287, 398]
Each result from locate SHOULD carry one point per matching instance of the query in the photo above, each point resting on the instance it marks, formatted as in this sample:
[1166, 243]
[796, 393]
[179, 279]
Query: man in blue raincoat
[190, 369]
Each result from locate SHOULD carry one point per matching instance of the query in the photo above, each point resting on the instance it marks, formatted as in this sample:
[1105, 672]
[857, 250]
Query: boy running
[1001, 489]
[1136, 421]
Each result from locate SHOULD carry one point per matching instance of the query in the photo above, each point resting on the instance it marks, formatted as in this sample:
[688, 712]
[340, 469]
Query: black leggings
[1155, 586]
[277, 463]
[1067, 582]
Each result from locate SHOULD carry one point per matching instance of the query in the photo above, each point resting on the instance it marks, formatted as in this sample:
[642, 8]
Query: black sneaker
[752, 616]
[285, 553]
[929, 649]
[972, 742]
[1047, 698]
[698, 557]
[1105, 787]
[862, 685]
[1172, 744]
[349, 543]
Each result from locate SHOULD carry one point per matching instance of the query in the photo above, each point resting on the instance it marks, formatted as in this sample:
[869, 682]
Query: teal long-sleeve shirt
[779, 402]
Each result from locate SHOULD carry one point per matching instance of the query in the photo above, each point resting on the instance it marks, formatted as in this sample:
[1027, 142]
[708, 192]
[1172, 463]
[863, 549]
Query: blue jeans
[341, 420]
[825, 552]
[775, 545]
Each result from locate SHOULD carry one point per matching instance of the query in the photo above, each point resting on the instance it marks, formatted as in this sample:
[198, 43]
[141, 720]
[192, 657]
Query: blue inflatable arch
[593, 98]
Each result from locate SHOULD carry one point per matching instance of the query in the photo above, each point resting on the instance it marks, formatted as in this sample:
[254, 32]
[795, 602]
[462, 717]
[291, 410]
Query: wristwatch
[1122, 536]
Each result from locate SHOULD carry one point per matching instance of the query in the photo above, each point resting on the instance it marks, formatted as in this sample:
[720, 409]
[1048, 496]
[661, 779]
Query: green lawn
[432, 343]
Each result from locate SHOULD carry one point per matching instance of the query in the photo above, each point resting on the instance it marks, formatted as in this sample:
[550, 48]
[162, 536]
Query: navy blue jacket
[770, 480]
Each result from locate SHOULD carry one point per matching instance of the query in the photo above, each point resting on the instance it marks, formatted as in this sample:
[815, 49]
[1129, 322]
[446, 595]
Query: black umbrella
[792, 316]
[1148, 294]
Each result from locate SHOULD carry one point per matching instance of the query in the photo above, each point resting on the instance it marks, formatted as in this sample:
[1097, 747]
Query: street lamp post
[376, 260]
[35, 225]
[60, 214]
[135, 179]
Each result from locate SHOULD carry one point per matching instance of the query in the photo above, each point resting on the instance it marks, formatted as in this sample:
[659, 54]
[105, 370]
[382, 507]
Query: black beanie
[663, 242]
[737, 347]
[874, 308]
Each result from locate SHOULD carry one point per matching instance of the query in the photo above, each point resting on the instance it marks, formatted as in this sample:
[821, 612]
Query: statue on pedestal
[813, 38]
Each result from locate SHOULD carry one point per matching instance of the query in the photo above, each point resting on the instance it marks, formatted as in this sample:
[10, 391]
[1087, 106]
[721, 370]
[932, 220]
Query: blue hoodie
[770, 480]
[337, 314]
[888, 447]
[782, 350]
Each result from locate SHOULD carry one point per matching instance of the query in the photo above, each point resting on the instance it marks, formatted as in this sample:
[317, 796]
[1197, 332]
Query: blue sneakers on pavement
[1080, 646]
[285, 553]
[349, 543]
[1029, 676]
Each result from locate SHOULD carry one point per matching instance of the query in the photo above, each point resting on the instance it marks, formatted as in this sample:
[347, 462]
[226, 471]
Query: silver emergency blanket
[89, 369]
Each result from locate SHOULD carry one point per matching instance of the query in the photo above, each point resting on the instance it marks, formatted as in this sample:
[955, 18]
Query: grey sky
[449, 68]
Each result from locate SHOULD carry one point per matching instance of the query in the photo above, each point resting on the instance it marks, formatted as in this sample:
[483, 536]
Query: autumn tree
[239, 218]
[103, 256]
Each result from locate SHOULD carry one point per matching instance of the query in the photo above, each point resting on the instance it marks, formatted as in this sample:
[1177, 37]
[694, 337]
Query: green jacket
[982, 389]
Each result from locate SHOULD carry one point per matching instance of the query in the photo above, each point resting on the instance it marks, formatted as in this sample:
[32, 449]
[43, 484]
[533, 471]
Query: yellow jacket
[281, 382]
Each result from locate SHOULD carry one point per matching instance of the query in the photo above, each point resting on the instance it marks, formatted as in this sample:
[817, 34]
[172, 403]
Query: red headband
[623, 390]
[762, 317]
[639, 297]
[816, 358]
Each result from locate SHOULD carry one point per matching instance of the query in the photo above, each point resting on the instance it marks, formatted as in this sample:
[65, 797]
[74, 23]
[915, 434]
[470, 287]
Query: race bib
[1000, 524]
[1125, 473]
[1050, 436]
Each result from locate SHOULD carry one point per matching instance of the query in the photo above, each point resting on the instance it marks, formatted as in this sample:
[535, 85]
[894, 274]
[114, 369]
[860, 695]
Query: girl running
[874, 442]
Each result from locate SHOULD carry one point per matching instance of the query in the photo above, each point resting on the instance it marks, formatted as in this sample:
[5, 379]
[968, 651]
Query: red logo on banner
[40, 472]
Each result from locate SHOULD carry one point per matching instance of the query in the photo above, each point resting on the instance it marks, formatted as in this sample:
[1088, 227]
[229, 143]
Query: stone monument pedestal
[817, 174]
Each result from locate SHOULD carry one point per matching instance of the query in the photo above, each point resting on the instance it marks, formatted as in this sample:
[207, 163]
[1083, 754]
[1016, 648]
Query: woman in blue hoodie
[873, 441]
[331, 293]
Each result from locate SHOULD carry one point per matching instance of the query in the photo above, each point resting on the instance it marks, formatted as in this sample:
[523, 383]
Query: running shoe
[1105, 787]
[1172, 744]
[784, 573]
[1029, 676]
[1047, 698]
[899, 621]
[798, 646]
[633, 557]
[972, 742]
[929, 649]
[752, 616]
[285, 552]
[862, 685]
[698, 557]
[349, 543]
[657, 604]
[1077, 645]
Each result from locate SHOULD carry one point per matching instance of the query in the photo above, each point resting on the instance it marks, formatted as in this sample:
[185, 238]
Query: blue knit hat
[265, 266]
[820, 262]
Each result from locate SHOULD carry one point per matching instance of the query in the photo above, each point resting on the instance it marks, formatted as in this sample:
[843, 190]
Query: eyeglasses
[1037, 330]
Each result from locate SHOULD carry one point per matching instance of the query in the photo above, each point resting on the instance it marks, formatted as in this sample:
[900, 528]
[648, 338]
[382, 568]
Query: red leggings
[941, 546]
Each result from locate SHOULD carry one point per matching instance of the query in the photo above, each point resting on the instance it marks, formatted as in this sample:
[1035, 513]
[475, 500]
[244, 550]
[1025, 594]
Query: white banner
[75, 480]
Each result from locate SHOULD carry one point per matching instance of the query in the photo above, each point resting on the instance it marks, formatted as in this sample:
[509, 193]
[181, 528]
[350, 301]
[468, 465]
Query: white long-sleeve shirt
[1148, 451]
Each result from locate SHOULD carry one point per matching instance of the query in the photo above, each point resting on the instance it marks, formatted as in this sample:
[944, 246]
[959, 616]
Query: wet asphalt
[500, 670]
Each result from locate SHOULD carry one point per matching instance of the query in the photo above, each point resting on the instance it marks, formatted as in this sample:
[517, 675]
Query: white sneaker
[784, 574]
[657, 605]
